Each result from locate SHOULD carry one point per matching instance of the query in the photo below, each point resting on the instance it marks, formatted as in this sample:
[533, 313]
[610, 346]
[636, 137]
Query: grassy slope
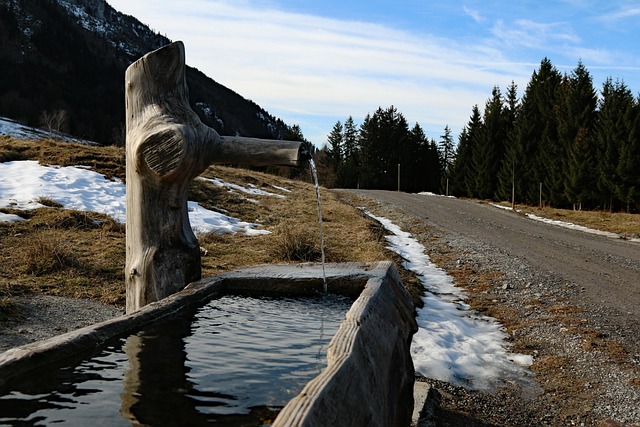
[79, 254]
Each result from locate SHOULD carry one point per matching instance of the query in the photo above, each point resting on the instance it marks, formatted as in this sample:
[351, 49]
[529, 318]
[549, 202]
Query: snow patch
[10, 218]
[23, 183]
[249, 189]
[564, 224]
[17, 130]
[454, 343]
[429, 193]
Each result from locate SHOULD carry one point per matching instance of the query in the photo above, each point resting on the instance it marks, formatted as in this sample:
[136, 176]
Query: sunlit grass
[82, 254]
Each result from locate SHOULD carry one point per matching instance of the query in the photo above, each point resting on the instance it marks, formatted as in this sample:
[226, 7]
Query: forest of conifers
[561, 144]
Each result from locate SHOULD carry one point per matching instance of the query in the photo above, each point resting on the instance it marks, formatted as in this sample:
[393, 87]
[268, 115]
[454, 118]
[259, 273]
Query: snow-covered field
[23, 183]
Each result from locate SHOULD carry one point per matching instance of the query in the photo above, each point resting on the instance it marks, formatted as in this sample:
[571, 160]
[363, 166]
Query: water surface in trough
[235, 361]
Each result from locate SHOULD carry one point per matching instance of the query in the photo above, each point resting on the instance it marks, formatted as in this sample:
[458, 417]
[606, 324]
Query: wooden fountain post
[167, 147]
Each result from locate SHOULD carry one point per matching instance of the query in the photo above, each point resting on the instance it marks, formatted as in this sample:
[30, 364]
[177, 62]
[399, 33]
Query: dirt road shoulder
[586, 365]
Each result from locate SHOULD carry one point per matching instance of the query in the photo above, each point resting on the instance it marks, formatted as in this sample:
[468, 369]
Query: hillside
[70, 56]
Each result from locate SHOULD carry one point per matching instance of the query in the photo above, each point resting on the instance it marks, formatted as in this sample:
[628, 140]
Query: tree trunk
[167, 147]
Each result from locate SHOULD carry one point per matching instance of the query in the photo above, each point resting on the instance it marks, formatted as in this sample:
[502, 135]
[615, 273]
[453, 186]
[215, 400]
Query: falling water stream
[312, 166]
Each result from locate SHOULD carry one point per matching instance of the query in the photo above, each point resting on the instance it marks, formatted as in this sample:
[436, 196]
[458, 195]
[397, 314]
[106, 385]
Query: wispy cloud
[534, 35]
[622, 13]
[474, 14]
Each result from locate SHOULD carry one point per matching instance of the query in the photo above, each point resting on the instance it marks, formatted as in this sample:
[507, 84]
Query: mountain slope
[70, 55]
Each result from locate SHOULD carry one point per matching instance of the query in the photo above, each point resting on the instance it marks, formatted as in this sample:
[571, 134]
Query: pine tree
[350, 139]
[447, 156]
[488, 153]
[421, 164]
[628, 169]
[462, 171]
[433, 164]
[612, 128]
[334, 152]
[576, 114]
[382, 137]
[369, 156]
[536, 152]
[351, 167]
[505, 174]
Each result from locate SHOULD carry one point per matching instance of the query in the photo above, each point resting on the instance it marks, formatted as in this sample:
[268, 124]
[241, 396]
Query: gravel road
[566, 297]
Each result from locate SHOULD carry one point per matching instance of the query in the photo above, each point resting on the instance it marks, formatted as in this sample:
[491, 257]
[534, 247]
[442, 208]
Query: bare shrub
[54, 121]
[49, 202]
[294, 242]
[48, 253]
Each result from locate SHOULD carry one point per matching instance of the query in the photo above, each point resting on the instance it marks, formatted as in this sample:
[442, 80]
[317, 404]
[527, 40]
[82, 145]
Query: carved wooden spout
[167, 147]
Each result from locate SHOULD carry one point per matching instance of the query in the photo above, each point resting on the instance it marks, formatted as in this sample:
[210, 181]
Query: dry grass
[627, 225]
[63, 253]
[80, 254]
[105, 160]
[8, 308]
[292, 221]
[47, 252]
[293, 242]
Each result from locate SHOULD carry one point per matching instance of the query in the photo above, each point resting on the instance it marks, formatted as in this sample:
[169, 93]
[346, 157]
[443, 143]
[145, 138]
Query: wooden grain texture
[370, 376]
[167, 147]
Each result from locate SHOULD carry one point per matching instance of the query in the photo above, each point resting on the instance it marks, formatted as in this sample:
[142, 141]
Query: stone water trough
[369, 377]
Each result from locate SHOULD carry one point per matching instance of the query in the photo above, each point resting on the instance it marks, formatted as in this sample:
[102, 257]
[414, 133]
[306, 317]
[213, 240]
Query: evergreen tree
[462, 171]
[457, 173]
[447, 155]
[487, 154]
[628, 169]
[612, 128]
[369, 154]
[433, 165]
[294, 133]
[421, 165]
[506, 171]
[411, 161]
[536, 152]
[334, 152]
[349, 173]
[577, 103]
[382, 137]
[350, 138]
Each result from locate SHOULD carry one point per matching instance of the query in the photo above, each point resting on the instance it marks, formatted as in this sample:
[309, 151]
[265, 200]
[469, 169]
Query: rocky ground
[586, 377]
[45, 316]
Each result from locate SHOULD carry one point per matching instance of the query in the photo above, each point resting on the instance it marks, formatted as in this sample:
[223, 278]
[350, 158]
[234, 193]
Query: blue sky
[313, 63]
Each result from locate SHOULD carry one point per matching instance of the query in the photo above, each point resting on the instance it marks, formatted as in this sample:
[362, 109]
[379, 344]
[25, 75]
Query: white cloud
[530, 34]
[623, 13]
[474, 14]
